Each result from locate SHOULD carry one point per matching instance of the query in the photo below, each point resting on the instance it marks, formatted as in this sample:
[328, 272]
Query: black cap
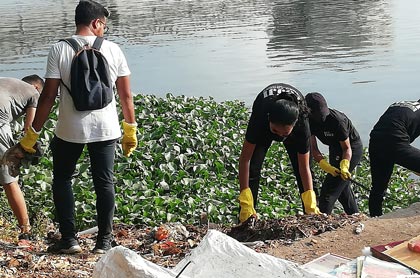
[317, 104]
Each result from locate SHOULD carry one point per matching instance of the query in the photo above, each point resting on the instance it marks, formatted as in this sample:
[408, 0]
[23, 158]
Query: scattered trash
[166, 248]
[161, 233]
[181, 240]
[366, 251]
[174, 231]
[217, 255]
[254, 244]
[359, 228]
[88, 231]
[292, 228]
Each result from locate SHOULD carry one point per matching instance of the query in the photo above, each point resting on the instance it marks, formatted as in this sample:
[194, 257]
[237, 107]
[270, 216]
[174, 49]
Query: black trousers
[383, 156]
[65, 156]
[335, 188]
[256, 165]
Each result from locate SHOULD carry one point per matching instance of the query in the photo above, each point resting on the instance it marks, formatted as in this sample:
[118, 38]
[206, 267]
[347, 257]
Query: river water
[362, 55]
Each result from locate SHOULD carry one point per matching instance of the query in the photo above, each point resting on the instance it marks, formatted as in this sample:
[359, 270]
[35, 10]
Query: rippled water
[362, 55]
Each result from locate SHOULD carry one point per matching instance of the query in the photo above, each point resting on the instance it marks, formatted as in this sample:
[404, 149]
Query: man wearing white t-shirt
[97, 129]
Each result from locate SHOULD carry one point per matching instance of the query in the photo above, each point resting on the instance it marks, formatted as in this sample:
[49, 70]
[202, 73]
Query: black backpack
[90, 80]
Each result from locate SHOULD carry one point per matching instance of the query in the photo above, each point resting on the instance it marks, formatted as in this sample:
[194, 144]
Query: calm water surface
[362, 55]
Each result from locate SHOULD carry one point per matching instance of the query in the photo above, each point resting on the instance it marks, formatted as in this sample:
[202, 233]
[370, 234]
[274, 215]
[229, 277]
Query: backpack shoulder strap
[98, 43]
[73, 43]
[76, 47]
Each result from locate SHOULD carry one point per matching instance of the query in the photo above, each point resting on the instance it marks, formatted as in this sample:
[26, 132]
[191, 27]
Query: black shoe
[25, 240]
[25, 236]
[65, 246]
[103, 245]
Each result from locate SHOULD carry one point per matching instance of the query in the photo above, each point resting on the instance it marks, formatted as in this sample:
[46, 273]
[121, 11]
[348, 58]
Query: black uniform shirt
[258, 131]
[337, 127]
[399, 123]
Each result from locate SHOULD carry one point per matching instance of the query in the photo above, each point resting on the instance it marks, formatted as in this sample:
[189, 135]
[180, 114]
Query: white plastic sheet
[218, 255]
[121, 262]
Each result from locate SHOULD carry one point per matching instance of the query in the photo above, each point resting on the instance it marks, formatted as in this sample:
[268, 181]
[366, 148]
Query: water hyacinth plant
[186, 163]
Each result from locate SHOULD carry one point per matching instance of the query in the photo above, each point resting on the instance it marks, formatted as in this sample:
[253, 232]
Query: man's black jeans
[65, 157]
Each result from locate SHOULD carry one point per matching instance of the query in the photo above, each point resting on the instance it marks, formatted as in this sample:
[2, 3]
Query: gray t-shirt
[15, 97]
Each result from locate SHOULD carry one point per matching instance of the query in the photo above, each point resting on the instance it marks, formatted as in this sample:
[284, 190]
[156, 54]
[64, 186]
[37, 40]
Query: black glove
[33, 158]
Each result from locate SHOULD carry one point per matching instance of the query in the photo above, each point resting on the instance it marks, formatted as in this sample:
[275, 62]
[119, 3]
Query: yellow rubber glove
[329, 168]
[29, 140]
[344, 168]
[129, 140]
[247, 205]
[309, 201]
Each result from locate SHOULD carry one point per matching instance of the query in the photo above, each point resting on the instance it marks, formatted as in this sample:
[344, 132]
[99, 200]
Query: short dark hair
[88, 10]
[34, 78]
[283, 111]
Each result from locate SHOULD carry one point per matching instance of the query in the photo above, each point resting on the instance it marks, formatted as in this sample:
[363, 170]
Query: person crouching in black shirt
[390, 144]
[279, 113]
[335, 130]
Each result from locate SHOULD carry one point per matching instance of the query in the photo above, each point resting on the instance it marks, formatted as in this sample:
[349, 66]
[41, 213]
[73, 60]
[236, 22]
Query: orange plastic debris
[161, 233]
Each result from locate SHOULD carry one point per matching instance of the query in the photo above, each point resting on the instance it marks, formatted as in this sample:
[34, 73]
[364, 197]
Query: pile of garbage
[165, 245]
